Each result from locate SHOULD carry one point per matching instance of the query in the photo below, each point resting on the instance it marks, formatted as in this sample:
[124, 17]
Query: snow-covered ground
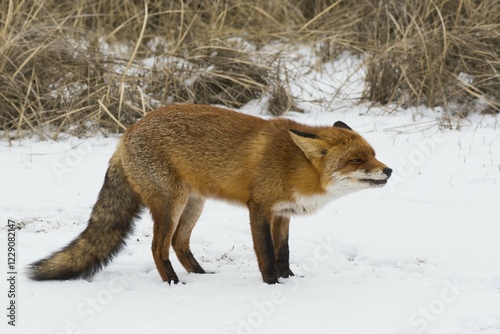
[421, 255]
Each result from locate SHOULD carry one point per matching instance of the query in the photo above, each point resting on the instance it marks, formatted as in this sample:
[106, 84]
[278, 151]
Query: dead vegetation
[436, 53]
[83, 65]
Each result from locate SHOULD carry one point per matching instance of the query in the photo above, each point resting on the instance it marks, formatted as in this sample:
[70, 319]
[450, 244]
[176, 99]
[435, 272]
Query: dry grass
[59, 73]
[437, 53]
[215, 73]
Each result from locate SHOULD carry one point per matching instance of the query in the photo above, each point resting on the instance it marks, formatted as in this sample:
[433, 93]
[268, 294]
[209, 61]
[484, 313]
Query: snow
[421, 255]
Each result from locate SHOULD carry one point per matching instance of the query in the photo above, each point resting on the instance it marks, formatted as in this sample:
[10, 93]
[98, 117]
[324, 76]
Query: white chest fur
[302, 204]
[306, 204]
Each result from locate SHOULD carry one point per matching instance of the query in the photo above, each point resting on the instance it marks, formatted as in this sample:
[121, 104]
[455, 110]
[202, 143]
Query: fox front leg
[260, 224]
[280, 228]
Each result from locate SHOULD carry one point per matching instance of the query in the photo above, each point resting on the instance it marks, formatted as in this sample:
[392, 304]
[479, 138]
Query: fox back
[228, 155]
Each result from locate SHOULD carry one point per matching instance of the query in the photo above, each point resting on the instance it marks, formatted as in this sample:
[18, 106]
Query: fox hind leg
[182, 235]
[166, 213]
[279, 230]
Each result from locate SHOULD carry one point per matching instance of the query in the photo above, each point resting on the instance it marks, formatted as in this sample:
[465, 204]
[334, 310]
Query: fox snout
[376, 181]
[386, 174]
[375, 177]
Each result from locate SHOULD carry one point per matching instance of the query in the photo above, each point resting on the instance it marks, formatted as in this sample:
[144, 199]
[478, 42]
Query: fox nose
[387, 171]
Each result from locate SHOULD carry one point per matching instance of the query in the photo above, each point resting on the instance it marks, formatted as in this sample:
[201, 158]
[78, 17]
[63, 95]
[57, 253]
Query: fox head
[344, 159]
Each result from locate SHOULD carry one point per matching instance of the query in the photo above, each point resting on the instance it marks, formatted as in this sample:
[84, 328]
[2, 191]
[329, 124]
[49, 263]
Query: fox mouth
[377, 183]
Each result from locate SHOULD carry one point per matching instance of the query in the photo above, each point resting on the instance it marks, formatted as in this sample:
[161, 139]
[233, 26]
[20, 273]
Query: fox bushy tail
[111, 221]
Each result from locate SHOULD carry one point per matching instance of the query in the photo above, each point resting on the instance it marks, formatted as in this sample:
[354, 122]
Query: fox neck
[302, 204]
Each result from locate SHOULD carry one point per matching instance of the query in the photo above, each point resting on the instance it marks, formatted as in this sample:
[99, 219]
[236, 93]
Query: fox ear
[342, 125]
[309, 143]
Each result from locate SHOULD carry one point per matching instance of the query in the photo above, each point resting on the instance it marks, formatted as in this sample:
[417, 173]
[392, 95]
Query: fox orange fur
[177, 156]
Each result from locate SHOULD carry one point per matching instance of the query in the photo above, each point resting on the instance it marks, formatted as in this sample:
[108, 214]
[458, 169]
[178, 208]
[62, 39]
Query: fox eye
[356, 161]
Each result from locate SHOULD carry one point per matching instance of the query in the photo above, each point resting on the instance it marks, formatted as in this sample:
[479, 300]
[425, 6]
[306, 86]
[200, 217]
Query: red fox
[177, 156]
